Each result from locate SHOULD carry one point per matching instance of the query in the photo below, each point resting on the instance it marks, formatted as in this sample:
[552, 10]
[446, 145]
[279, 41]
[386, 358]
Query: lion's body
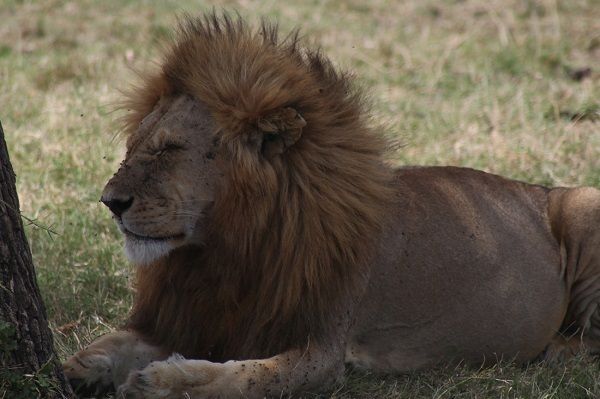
[469, 269]
[268, 233]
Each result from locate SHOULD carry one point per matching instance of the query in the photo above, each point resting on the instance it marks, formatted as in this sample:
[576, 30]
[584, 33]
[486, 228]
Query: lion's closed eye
[169, 147]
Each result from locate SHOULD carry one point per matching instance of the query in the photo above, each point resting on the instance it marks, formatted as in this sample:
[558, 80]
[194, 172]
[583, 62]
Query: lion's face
[164, 188]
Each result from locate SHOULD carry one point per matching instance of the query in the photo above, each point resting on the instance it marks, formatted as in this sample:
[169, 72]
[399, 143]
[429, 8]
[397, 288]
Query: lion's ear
[280, 130]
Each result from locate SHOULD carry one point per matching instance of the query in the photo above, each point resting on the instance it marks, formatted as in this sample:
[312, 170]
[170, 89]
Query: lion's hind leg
[575, 220]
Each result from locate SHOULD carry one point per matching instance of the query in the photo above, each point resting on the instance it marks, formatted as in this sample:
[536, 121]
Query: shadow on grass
[576, 378]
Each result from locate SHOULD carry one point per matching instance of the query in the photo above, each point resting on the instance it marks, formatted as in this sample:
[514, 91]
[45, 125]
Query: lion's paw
[175, 377]
[89, 373]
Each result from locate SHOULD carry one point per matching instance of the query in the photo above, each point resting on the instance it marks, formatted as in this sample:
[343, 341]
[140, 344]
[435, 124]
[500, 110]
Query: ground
[500, 85]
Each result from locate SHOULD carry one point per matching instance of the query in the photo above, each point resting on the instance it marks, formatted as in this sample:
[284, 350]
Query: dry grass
[498, 85]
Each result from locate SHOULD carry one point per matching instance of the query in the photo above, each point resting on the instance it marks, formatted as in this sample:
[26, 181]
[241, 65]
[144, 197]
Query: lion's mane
[289, 237]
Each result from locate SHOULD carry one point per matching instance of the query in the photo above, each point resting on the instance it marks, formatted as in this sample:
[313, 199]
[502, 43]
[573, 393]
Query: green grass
[486, 84]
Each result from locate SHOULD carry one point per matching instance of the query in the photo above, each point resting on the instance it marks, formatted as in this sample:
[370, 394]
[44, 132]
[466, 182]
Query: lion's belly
[460, 277]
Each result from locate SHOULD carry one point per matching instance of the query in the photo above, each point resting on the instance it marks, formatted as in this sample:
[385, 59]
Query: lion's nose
[117, 205]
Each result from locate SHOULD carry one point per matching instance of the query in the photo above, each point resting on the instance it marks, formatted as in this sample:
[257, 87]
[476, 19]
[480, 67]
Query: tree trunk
[28, 365]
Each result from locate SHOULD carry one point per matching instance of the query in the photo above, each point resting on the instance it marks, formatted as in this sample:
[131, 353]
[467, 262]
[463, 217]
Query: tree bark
[21, 305]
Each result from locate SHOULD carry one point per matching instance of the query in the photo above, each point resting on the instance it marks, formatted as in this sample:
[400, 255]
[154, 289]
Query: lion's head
[253, 183]
[163, 191]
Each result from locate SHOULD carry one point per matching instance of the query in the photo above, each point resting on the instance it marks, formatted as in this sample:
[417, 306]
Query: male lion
[273, 244]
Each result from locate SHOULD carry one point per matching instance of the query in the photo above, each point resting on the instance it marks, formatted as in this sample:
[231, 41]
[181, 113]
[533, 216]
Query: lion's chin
[143, 253]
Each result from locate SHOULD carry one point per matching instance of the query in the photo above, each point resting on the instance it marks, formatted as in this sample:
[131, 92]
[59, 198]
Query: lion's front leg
[311, 370]
[106, 362]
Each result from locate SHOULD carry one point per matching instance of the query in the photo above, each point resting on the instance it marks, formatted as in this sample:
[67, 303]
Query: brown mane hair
[290, 236]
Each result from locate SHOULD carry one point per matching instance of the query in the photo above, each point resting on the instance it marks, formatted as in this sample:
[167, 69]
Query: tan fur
[279, 242]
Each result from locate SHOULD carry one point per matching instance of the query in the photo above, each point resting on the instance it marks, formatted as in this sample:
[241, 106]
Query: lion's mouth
[139, 237]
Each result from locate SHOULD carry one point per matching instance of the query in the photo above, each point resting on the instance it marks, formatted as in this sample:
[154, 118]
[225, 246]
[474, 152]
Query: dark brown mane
[289, 236]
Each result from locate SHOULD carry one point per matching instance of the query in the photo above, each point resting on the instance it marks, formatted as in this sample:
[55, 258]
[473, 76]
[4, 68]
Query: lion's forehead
[180, 120]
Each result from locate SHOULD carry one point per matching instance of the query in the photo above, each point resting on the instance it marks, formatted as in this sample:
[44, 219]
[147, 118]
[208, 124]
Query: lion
[273, 244]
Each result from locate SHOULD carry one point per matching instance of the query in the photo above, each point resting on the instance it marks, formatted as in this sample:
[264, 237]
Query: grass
[498, 85]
